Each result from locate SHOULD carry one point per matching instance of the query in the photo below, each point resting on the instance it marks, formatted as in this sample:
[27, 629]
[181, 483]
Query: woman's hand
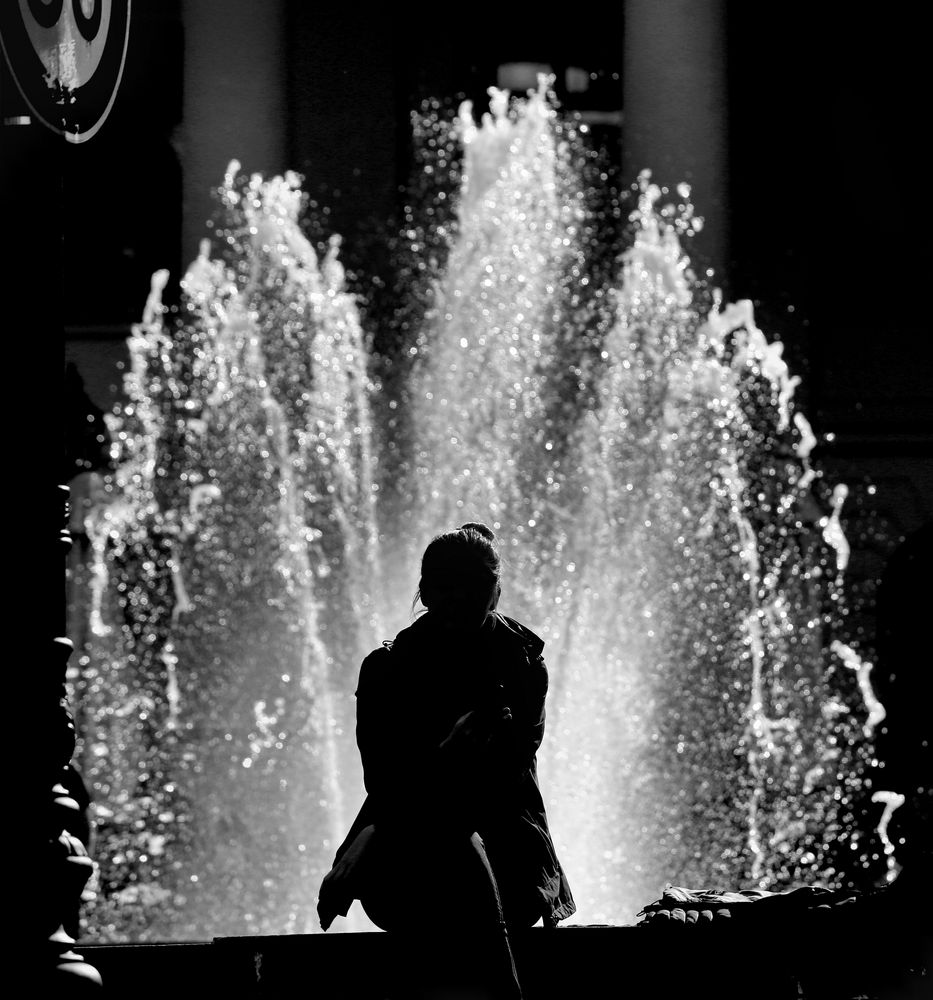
[475, 729]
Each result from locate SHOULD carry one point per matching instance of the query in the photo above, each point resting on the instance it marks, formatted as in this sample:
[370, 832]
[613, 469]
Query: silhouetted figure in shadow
[451, 848]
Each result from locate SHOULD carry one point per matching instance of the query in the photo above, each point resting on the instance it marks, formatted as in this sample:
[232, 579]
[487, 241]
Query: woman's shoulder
[375, 666]
[391, 651]
[380, 657]
[395, 662]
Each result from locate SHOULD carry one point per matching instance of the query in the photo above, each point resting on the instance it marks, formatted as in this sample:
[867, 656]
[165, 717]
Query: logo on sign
[67, 59]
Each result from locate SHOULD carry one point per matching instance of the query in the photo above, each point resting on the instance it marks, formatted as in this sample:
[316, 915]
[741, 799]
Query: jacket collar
[422, 629]
[518, 633]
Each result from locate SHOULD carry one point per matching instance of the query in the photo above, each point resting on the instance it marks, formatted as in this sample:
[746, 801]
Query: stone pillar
[234, 100]
[674, 85]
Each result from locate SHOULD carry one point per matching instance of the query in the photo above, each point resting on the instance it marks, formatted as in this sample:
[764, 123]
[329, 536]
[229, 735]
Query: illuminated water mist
[635, 444]
[242, 542]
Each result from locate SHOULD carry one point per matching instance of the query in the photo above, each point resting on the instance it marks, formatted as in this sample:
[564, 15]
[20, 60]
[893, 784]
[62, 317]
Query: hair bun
[479, 528]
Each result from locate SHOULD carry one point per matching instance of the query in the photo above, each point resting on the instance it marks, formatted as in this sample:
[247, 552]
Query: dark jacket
[410, 694]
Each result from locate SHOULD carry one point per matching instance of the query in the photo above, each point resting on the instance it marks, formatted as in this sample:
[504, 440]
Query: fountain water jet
[239, 532]
[657, 528]
[638, 451]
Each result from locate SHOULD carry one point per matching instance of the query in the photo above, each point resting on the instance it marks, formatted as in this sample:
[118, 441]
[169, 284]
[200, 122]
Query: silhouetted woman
[452, 840]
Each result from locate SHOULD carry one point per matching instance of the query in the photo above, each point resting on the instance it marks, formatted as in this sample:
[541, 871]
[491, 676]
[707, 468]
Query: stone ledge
[564, 964]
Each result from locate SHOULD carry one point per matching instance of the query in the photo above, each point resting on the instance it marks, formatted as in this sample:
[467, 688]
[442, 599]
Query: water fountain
[636, 446]
[237, 539]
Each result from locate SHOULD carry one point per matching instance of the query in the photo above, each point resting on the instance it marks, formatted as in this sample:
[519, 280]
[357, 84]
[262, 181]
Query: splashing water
[851, 659]
[239, 532]
[653, 514]
[891, 801]
[636, 446]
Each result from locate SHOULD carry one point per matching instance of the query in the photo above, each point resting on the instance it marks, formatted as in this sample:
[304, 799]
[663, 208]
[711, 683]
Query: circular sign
[67, 59]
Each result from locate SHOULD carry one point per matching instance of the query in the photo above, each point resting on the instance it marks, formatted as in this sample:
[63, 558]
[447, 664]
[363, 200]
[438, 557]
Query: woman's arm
[528, 714]
[374, 713]
[491, 750]
[403, 770]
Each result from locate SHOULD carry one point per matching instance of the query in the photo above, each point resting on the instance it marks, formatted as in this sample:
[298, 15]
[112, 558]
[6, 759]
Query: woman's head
[460, 576]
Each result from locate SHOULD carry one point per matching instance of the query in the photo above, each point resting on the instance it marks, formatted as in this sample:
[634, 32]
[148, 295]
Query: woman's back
[411, 693]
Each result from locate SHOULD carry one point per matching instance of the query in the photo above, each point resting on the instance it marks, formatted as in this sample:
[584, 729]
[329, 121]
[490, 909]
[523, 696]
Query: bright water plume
[239, 541]
[636, 446]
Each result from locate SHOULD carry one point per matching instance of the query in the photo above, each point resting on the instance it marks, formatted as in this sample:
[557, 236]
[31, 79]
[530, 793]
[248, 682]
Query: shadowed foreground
[851, 958]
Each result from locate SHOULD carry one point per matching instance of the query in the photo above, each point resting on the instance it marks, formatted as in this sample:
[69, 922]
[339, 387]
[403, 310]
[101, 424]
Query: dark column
[345, 114]
[674, 83]
[234, 100]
